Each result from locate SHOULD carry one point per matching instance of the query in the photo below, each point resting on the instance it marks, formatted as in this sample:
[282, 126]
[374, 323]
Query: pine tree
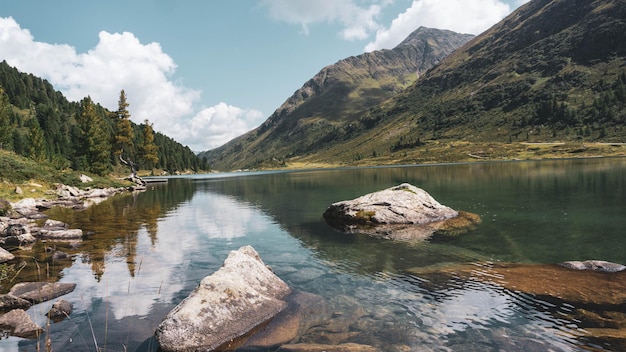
[94, 145]
[36, 141]
[123, 127]
[148, 148]
[6, 126]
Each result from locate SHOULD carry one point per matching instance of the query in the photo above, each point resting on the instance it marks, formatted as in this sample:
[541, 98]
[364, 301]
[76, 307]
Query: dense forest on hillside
[38, 122]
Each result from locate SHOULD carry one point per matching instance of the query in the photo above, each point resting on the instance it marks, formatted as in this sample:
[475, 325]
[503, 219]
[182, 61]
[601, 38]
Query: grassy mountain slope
[554, 71]
[323, 111]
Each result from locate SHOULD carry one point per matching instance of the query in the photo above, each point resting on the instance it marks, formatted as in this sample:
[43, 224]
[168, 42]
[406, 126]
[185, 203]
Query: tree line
[38, 122]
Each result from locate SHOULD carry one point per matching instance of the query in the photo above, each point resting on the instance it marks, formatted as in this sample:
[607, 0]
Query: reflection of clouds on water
[470, 308]
[456, 312]
[160, 267]
[219, 216]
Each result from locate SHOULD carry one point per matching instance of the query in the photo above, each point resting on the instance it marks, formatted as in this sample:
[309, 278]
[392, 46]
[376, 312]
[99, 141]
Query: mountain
[323, 111]
[552, 71]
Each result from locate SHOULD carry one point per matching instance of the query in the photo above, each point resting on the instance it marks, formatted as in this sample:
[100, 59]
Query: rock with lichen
[403, 212]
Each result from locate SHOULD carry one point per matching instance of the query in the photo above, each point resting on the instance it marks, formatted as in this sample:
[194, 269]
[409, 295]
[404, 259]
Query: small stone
[18, 323]
[60, 310]
[5, 255]
[8, 302]
[85, 178]
[37, 292]
[18, 190]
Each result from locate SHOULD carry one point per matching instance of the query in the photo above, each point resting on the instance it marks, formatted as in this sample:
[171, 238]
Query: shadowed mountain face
[552, 71]
[323, 110]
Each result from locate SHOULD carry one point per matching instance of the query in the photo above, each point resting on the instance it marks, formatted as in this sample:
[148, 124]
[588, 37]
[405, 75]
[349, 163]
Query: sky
[204, 72]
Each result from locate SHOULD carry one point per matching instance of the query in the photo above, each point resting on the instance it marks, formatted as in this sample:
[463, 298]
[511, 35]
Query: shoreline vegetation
[442, 152]
[21, 177]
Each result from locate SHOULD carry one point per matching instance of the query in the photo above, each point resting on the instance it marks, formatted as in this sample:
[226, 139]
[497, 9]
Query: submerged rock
[18, 323]
[311, 347]
[37, 292]
[595, 291]
[228, 304]
[404, 212]
[547, 281]
[8, 302]
[303, 311]
[594, 265]
[60, 310]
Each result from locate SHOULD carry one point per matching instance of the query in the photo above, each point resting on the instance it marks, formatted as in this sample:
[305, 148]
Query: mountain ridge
[327, 103]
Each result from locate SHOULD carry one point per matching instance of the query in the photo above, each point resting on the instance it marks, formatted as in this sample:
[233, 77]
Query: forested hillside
[38, 122]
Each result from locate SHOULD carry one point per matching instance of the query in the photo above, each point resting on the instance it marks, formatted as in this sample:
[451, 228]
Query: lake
[143, 253]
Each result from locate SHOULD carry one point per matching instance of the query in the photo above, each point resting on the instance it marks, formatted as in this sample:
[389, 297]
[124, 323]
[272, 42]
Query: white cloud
[217, 124]
[144, 71]
[358, 21]
[463, 16]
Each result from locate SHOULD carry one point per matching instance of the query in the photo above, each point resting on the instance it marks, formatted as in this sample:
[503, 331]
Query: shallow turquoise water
[145, 253]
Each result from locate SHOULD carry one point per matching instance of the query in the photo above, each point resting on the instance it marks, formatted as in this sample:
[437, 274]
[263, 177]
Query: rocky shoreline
[23, 224]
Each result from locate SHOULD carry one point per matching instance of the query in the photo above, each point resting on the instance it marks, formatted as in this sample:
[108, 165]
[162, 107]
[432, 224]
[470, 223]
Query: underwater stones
[60, 310]
[594, 288]
[403, 212]
[8, 302]
[227, 304]
[18, 323]
[36, 292]
[303, 311]
[594, 265]
[311, 347]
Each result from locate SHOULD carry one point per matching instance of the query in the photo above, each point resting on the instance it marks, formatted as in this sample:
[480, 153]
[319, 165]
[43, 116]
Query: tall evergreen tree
[36, 141]
[6, 125]
[94, 147]
[148, 148]
[123, 128]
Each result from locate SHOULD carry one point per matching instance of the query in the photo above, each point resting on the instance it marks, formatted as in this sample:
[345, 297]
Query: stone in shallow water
[18, 323]
[594, 265]
[37, 292]
[228, 304]
[8, 302]
[603, 292]
[5, 255]
[344, 347]
[60, 310]
[404, 212]
[304, 310]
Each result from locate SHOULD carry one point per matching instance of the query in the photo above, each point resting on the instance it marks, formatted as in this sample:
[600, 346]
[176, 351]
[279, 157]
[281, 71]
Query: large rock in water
[231, 302]
[403, 212]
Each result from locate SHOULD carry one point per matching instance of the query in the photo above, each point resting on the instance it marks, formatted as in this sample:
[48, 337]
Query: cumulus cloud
[462, 16]
[120, 61]
[217, 124]
[358, 21]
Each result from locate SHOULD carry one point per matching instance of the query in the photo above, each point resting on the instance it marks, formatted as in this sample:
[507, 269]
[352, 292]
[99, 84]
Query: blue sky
[204, 72]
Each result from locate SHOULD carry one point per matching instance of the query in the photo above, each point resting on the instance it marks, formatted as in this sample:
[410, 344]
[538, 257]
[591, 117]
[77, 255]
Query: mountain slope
[321, 113]
[552, 71]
